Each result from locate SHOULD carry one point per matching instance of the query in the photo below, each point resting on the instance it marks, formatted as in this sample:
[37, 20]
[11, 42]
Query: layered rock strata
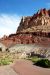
[32, 29]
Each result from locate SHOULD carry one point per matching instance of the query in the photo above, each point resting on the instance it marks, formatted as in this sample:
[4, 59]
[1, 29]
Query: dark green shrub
[43, 63]
[1, 49]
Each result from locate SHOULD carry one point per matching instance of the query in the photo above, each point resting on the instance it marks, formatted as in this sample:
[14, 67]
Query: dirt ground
[7, 70]
[23, 67]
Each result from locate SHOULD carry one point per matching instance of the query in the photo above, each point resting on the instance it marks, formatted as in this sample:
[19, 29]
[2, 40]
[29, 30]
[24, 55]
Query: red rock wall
[39, 21]
[25, 39]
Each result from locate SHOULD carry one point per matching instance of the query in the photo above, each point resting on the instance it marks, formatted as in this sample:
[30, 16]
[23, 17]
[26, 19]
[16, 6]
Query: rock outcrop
[39, 22]
[32, 29]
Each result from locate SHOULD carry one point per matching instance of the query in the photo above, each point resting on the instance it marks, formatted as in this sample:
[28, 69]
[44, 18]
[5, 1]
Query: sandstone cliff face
[32, 29]
[39, 22]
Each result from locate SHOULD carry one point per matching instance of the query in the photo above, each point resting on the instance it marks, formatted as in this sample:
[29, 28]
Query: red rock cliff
[32, 29]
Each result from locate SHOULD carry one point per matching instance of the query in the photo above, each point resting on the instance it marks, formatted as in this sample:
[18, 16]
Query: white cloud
[8, 24]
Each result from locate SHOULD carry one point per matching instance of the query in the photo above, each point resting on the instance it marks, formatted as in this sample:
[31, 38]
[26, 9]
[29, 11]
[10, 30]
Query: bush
[35, 59]
[5, 61]
[43, 63]
[1, 49]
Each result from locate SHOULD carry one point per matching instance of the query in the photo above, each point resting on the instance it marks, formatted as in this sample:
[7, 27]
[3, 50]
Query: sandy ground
[25, 67]
[7, 70]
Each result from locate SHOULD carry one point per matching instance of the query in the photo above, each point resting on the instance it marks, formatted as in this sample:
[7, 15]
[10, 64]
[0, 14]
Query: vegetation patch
[43, 63]
[34, 59]
[5, 61]
[7, 58]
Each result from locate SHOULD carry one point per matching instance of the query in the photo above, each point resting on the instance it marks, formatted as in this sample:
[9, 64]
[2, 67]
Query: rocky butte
[32, 29]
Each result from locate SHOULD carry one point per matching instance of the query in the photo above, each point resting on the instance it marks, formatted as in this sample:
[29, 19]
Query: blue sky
[22, 7]
[12, 10]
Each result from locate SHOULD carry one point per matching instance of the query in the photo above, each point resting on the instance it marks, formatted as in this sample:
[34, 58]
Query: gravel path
[7, 70]
[25, 67]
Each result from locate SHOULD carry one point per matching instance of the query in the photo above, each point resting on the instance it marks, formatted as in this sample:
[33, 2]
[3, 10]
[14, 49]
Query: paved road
[25, 67]
[7, 70]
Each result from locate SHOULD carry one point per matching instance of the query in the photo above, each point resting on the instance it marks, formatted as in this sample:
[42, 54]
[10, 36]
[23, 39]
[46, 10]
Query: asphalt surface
[7, 70]
[23, 67]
